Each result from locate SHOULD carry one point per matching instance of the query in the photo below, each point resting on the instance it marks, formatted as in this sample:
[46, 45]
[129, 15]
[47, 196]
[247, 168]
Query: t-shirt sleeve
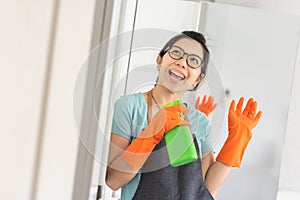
[202, 129]
[206, 139]
[121, 123]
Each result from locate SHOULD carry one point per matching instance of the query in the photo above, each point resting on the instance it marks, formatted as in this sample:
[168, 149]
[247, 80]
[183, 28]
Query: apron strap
[149, 102]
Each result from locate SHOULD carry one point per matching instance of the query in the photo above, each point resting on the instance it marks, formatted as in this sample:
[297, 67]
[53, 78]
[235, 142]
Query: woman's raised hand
[207, 105]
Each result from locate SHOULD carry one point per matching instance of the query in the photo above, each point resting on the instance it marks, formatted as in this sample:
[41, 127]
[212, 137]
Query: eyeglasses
[192, 60]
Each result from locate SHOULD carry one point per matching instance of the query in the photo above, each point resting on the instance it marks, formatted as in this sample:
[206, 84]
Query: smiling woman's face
[176, 75]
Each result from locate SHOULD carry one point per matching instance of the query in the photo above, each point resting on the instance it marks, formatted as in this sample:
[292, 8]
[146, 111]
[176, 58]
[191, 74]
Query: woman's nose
[182, 62]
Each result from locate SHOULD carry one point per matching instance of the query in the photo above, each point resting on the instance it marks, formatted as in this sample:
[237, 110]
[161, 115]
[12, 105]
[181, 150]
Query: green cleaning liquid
[179, 143]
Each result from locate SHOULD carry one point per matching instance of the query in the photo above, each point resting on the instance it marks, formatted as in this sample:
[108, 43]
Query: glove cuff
[138, 151]
[234, 147]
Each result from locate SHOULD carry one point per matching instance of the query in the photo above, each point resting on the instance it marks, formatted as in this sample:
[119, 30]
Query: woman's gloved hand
[165, 119]
[247, 118]
[240, 124]
[206, 106]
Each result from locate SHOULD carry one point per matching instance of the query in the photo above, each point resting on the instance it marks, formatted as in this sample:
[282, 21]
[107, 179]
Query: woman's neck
[163, 95]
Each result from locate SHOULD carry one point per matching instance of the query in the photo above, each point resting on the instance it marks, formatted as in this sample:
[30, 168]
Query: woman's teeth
[176, 75]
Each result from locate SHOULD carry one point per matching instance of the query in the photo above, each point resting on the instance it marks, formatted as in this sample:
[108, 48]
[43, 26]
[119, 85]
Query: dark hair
[195, 36]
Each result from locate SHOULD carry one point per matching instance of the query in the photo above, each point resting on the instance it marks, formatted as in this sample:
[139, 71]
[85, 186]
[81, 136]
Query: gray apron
[171, 183]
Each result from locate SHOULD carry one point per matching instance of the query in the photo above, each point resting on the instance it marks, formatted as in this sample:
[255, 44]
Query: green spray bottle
[179, 142]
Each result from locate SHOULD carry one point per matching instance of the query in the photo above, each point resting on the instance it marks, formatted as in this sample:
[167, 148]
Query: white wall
[245, 57]
[8, 106]
[29, 112]
[32, 37]
[289, 176]
[166, 19]
[290, 6]
[72, 46]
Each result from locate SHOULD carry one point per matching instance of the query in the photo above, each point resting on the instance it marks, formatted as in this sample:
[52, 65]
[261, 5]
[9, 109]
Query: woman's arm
[118, 172]
[214, 172]
[240, 123]
[126, 159]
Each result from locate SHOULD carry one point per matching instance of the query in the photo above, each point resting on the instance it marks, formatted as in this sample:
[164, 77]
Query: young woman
[136, 162]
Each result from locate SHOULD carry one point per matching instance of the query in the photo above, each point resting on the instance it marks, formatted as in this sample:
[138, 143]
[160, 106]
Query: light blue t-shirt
[130, 118]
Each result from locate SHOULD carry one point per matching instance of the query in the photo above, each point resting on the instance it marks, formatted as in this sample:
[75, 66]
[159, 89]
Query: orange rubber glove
[165, 119]
[240, 125]
[206, 106]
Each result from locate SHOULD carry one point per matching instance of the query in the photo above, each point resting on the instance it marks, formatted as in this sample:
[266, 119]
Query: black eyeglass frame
[184, 53]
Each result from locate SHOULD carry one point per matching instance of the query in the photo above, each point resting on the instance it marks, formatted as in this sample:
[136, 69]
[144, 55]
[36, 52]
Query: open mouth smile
[177, 75]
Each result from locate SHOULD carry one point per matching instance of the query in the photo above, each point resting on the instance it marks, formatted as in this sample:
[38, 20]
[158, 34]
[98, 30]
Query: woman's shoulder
[135, 99]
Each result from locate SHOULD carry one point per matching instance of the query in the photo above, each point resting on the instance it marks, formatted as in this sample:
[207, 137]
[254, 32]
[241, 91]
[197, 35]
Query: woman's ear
[158, 61]
[199, 79]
